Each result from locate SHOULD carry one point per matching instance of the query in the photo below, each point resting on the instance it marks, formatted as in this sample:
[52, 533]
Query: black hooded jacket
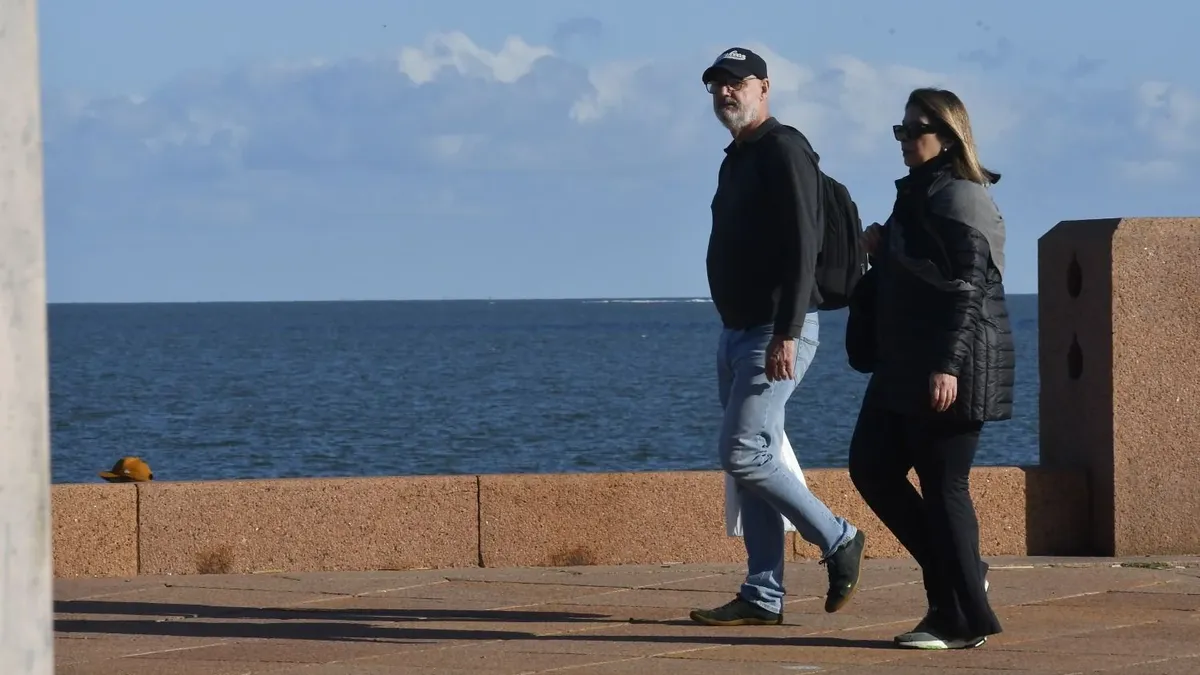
[934, 301]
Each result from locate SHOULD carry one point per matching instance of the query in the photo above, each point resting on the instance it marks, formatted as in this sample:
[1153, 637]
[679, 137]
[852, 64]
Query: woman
[934, 322]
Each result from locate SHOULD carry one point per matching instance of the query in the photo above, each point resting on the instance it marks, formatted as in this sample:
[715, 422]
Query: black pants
[938, 526]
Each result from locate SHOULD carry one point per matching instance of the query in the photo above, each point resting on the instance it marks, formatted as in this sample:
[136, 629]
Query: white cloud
[535, 160]
[522, 115]
[455, 50]
[1170, 115]
[786, 76]
[610, 88]
[449, 99]
[872, 98]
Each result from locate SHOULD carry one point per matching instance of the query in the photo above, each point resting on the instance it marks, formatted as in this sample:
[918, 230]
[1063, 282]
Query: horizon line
[597, 299]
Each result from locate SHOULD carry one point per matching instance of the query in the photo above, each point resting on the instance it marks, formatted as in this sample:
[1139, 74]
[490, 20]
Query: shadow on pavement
[350, 625]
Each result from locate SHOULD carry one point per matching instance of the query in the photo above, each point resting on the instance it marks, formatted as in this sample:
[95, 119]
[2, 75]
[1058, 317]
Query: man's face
[737, 102]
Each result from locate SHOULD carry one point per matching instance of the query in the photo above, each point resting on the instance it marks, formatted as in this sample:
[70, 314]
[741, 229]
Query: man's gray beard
[737, 118]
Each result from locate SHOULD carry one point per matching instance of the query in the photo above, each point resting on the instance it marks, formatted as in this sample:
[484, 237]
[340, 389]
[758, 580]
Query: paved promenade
[1131, 617]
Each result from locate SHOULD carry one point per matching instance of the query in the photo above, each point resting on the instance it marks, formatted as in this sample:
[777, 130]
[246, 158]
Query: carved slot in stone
[1074, 358]
[1074, 277]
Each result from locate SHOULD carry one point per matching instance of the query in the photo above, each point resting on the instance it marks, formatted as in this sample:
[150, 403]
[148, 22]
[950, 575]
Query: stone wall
[1118, 334]
[341, 524]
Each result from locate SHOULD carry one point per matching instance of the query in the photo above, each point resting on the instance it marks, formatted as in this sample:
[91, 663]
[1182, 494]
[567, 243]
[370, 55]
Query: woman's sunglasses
[910, 132]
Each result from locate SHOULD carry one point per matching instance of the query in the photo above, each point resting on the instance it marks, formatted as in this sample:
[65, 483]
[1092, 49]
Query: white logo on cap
[732, 54]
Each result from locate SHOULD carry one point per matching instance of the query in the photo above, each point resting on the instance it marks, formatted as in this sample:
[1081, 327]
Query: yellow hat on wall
[128, 470]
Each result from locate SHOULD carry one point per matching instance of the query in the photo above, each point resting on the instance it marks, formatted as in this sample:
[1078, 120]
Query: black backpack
[842, 261]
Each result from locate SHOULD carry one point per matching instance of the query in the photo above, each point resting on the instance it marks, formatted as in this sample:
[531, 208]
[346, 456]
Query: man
[766, 232]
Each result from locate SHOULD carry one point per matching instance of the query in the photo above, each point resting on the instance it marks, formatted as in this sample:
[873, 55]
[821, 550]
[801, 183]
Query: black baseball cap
[739, 62]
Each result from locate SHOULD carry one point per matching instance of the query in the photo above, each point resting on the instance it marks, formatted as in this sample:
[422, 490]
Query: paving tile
[491, 657]
[514, 624]
[291, 651]
[1006, 660]
[139, 666]
[898, 668]
[499, 593]
[803, 579]
[1039, 622]
[1177, 585]
[188, 601]
[1187, 665]
[615, 612]
[673, 666]
[1146, 639]
[334, 583]
[70, 650]
[618, 576]
[331, 631]
[713, 583]
[1023, 586]
[682, 600]
[1132, 599]
[819, 649]
[534, 619]
[76, 588]
[393, 607]
[683, 636]
[580, 643]
[366, 668]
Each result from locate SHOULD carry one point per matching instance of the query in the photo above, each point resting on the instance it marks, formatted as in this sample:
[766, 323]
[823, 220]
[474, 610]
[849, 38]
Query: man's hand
[781, 358]
[943, 390]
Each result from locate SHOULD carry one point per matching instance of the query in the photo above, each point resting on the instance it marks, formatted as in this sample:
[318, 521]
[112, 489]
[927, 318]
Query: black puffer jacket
[937, 301]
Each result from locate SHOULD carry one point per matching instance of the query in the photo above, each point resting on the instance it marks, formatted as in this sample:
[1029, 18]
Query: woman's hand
[943, 390]
[871, 238]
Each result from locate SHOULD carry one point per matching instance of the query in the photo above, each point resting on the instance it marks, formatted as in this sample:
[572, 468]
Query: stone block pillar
[1119, 363]
[26, 613]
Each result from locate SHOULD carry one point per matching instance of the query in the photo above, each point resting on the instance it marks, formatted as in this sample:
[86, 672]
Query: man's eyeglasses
[908, 132]
[733, 85]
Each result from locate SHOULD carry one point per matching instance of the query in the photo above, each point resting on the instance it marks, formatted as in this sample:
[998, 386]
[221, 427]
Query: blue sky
[302, 150]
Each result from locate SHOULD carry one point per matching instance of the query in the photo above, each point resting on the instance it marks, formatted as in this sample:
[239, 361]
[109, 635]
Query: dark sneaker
[738, 612]
[844, 567]
[926, 637]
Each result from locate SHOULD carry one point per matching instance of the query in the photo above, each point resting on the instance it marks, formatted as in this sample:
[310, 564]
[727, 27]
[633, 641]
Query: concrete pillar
[26, 611]
[1118, 329]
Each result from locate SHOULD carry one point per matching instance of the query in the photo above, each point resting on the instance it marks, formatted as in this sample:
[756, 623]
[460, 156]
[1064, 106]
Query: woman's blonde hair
[947, 112]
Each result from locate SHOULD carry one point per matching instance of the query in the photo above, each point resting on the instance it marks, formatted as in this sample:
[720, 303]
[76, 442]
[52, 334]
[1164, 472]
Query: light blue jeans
[749, 447]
